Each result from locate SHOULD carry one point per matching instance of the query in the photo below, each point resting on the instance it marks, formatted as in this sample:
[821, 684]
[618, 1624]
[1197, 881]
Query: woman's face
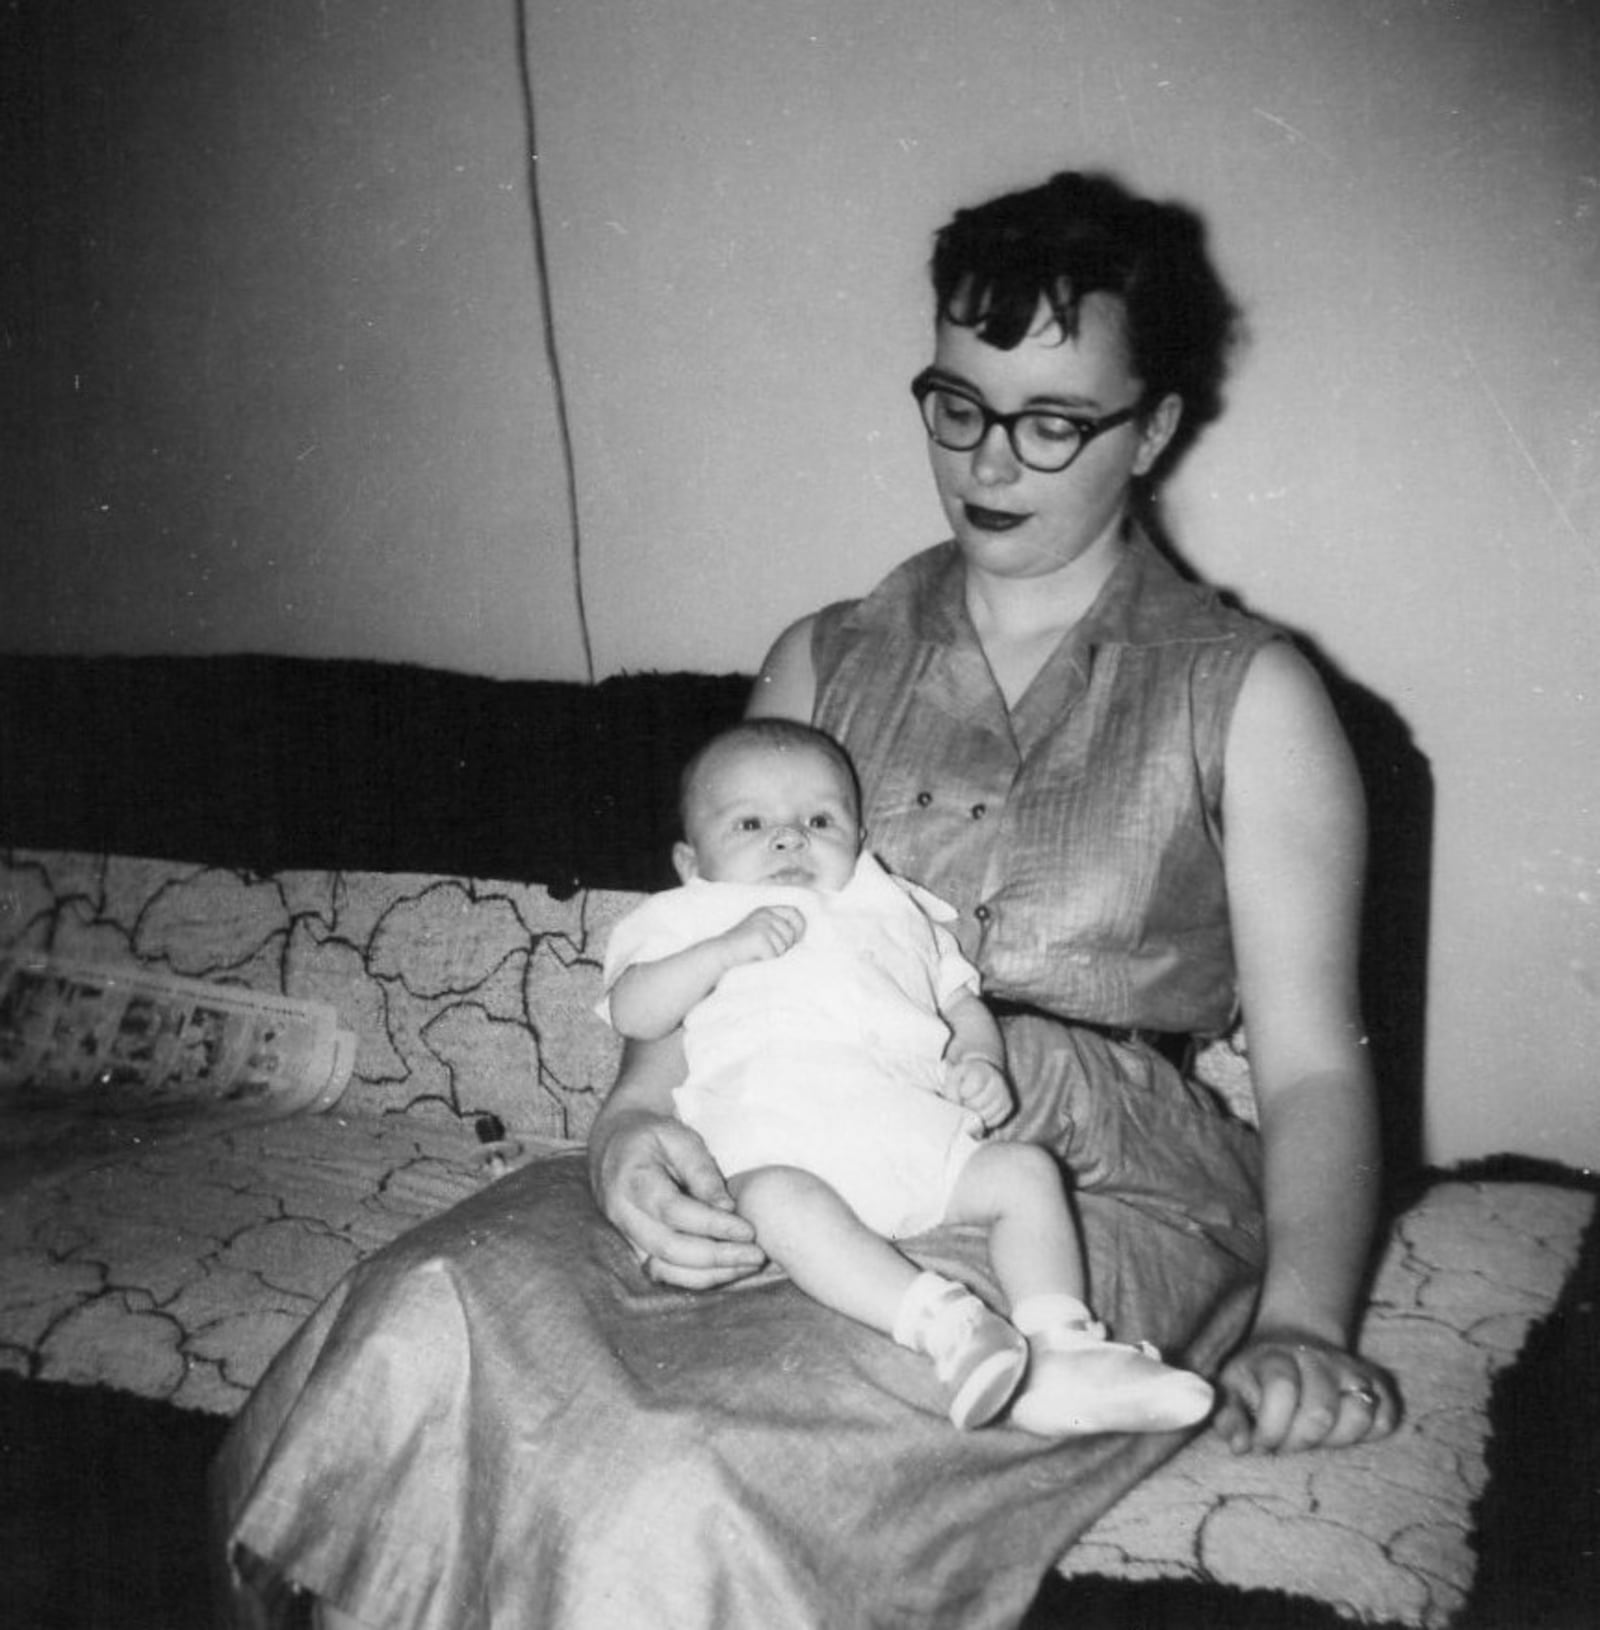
[1012, 521]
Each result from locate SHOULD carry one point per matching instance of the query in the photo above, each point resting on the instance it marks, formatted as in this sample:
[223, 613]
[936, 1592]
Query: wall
[274, 373]
[1406, 197]
[315, 413]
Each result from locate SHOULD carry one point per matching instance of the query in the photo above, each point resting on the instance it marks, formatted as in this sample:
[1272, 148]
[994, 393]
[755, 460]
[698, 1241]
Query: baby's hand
[767, 932]
[980, 1085]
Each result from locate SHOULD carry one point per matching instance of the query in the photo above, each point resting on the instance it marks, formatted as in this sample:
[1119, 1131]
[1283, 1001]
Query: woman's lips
[992, 520]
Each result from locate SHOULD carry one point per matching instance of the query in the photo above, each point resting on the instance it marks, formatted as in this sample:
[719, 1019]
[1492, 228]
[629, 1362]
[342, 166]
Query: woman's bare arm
[786, 687]
[656, 1182]
[651, 1175]
[1295, 837]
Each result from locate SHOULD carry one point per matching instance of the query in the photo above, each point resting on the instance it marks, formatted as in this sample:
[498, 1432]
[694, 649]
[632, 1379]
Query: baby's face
[760, 814]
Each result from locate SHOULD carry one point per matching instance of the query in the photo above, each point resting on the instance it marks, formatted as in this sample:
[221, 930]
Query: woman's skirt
[497, 1420]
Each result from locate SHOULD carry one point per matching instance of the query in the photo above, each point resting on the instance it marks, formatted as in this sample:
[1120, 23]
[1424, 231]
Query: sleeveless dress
[497, 1420]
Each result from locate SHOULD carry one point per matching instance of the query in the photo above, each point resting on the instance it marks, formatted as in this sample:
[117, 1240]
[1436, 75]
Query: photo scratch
[1293, 132]
[1533, 464]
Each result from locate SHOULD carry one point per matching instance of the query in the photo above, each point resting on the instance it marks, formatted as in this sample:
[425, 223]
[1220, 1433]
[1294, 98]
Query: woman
[1144, 812]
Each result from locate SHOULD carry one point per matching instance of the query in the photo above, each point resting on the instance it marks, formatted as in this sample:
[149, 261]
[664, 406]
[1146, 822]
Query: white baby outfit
[829, 1057]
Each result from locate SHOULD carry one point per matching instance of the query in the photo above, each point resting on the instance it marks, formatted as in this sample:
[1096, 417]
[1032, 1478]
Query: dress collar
[1140, 604]
[1137, 604]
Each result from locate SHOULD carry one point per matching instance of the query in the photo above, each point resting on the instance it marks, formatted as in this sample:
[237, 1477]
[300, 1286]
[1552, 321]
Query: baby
[843, 1072]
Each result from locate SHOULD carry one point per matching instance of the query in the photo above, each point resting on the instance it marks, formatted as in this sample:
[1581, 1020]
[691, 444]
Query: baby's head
[770, 801]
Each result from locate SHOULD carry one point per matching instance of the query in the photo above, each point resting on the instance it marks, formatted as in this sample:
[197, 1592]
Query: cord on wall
[551, 349]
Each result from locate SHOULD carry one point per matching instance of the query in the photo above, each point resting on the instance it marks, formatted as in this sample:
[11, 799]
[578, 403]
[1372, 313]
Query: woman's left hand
[1287, 1390]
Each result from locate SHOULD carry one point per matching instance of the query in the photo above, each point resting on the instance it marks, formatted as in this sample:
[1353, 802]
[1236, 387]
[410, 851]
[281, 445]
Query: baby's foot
[978, 1355]
[1078, 1382]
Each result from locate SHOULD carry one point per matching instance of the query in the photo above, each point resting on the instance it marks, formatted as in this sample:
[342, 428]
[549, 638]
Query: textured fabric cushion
[1383, 1531]
[177, 1270]
[178, 1274]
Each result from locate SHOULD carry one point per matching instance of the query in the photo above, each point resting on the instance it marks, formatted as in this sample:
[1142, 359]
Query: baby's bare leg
[1015, 1190]
[806, 1228]
[813, 1235]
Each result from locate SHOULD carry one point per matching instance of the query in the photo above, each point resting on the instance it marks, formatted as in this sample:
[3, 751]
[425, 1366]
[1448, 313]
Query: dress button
[979, 811]
[982, 913]
[924, 799]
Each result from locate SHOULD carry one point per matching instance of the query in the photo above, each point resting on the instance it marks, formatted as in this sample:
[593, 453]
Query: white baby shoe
[1079, 1382]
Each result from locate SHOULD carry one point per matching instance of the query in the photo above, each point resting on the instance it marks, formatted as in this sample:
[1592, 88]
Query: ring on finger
[1362, 1393]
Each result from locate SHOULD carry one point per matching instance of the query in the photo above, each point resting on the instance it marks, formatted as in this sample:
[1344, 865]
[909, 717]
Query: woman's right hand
[656, 1182]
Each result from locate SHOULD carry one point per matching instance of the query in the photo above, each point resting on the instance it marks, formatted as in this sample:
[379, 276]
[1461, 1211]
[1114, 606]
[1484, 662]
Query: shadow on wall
[1394, 928]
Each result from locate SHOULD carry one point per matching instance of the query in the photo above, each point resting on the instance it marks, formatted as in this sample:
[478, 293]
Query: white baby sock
[924, 1296]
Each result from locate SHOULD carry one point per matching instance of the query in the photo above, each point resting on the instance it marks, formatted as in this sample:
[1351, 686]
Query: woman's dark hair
[1077, 235]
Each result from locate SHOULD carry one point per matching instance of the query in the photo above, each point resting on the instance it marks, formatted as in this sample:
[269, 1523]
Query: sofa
[439, 856]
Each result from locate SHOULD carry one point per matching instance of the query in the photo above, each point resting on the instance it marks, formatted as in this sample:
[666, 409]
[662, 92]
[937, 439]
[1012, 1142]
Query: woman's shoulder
[1283, 700]
[1164, 603]
[786, 683]
[924, 586]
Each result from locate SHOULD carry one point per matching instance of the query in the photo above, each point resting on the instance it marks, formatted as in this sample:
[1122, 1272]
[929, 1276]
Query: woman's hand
[1286, 1390]
[656, 1182]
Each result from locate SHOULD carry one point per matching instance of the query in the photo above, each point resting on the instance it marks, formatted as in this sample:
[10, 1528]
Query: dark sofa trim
[285, 763]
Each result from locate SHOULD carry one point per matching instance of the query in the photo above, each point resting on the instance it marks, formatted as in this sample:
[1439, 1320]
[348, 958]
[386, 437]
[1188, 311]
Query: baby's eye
[821, 822]
[748, 823]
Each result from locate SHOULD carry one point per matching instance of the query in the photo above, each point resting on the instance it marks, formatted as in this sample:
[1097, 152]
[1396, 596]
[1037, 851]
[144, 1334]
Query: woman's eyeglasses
[1044, 439]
